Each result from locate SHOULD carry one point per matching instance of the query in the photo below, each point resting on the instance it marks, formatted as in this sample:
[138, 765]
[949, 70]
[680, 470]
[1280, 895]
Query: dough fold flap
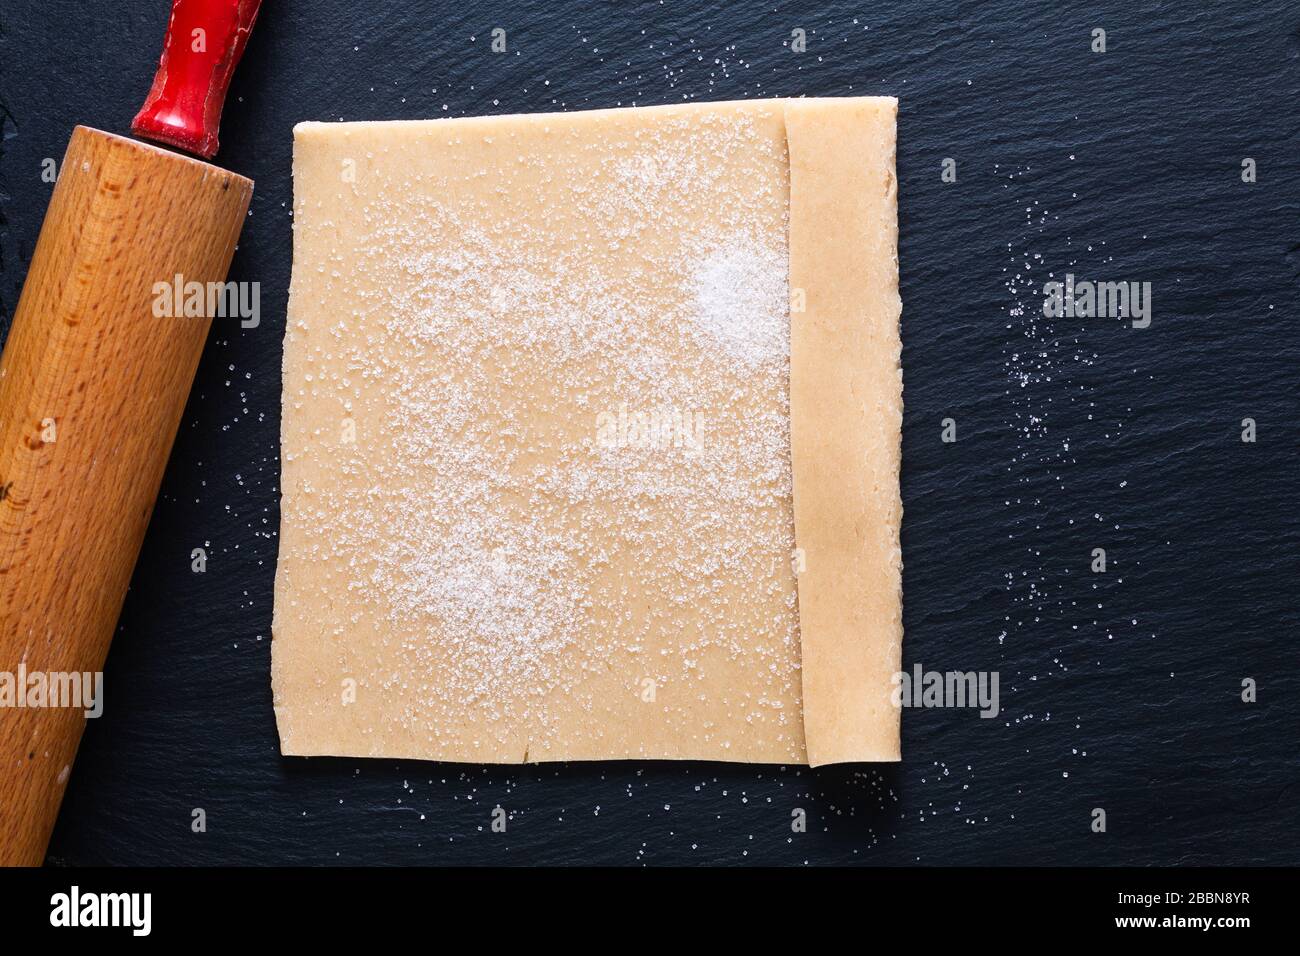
[563, 395]
[846, 422]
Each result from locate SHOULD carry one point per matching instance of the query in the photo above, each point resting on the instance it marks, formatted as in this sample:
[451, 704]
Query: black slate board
[1119, 691]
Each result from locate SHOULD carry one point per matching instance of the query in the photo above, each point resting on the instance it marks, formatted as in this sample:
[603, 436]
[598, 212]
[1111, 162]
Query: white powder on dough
[736, 301]
[497, 523]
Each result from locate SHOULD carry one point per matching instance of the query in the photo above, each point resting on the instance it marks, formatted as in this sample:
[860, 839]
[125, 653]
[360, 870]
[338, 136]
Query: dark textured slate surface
[1119, 691]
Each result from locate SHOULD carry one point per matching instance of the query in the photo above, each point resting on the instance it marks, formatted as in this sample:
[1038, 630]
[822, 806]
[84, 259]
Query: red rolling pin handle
[205, 39]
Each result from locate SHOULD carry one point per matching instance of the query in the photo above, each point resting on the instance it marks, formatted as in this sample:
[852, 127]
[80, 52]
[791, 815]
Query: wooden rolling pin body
[92, 387]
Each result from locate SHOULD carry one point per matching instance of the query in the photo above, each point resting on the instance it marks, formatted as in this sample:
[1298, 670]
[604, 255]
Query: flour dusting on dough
[737, 300]
[504, 556]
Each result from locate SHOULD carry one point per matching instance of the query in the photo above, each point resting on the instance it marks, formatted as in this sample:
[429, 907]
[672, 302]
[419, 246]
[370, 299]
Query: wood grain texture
[92, 387]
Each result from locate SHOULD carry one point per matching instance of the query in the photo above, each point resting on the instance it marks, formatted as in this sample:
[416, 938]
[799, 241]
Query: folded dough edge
[846, 422]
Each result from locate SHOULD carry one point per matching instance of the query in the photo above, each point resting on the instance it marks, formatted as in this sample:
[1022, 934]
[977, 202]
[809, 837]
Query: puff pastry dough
[591, 437]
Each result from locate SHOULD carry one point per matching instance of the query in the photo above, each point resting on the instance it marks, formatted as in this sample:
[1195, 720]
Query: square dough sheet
[590, 437]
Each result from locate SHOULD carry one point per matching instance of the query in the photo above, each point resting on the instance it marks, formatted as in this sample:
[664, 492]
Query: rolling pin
[93, 381]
